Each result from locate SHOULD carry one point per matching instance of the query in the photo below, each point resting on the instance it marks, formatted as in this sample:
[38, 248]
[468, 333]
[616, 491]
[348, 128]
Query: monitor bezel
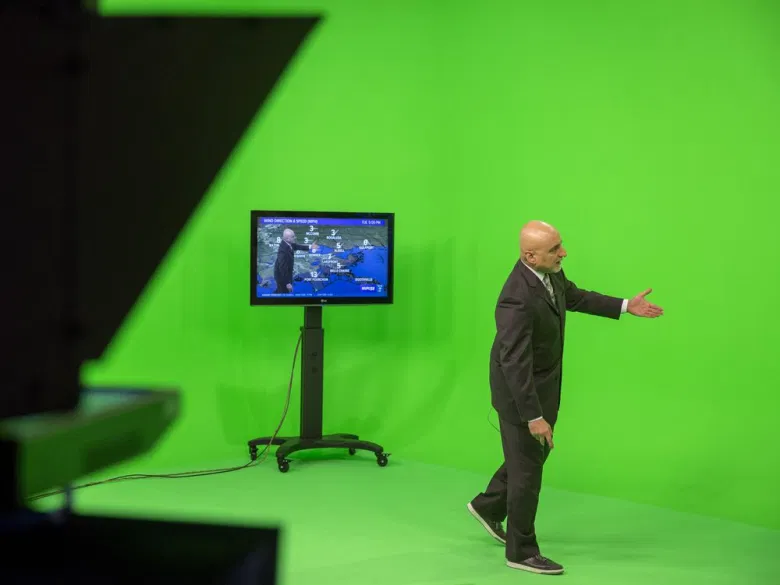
[256, 301]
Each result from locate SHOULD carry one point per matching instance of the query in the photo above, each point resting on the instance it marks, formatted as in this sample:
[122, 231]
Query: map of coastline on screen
[322, 257]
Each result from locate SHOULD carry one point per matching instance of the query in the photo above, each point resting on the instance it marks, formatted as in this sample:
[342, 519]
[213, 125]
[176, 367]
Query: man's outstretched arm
[593, 303]
[585, 301]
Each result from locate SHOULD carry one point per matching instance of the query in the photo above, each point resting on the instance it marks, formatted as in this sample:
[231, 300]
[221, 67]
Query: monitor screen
[311, 258]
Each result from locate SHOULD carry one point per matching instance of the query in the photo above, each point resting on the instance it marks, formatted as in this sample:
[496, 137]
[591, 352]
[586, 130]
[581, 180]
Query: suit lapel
[555, 305]
[560, 301]
[540, 289]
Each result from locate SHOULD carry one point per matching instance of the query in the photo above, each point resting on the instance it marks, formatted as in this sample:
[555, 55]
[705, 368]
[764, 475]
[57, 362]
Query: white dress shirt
[623, 309]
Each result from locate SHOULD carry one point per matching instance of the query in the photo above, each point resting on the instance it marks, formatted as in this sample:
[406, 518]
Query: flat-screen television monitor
[321, 258]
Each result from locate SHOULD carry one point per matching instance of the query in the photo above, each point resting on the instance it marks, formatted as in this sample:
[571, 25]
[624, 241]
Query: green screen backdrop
[647, 133]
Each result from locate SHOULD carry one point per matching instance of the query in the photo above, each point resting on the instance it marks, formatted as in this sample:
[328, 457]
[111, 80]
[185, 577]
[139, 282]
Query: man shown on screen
[525, 385]
[285, 256]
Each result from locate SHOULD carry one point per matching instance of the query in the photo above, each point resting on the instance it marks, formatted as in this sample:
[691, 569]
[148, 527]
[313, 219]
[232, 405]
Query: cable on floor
[187, 474]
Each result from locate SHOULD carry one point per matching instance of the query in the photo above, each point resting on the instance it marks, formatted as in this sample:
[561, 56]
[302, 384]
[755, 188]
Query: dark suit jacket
[527, 354]
[283, 267]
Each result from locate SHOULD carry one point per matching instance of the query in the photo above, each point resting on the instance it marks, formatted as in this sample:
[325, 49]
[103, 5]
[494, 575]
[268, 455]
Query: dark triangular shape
[113, 130]
[164, 103]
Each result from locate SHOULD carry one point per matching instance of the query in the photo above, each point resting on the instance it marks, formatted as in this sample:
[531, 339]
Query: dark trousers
[513, 491]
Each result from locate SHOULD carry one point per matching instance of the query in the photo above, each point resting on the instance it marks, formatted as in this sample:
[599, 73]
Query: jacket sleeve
[514, 324]
[592, 303]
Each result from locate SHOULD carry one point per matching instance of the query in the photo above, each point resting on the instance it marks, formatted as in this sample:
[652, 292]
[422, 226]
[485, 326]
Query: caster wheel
[253, 453]
[352, 450]
[284, 466]
[381, 460]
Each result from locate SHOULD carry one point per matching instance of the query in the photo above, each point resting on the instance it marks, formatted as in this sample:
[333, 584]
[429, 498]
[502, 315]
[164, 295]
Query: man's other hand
[640, 307]
[541, 431]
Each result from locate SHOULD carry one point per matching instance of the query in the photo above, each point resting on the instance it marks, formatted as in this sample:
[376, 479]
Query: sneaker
[493, 528]
[538, 564]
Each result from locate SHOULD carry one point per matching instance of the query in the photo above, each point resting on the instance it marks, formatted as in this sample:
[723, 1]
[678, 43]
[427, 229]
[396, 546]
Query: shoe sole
[523, 567]
[485, 525]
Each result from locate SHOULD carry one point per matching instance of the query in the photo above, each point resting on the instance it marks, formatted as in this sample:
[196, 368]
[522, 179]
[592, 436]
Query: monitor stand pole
[311, 436]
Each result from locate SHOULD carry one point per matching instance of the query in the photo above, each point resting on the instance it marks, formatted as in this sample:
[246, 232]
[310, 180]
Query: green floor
[346, 521]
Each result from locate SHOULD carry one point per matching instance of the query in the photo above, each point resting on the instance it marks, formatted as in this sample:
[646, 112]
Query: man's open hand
[541, 431]
[640, 307]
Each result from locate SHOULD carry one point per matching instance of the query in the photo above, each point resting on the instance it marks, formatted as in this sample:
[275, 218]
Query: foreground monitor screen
[311, 258]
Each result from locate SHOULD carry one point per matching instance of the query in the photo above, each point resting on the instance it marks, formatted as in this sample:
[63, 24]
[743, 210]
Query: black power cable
[185, 474]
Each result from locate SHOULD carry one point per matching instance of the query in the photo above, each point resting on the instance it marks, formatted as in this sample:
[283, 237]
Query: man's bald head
[288, 235]
[541, 247]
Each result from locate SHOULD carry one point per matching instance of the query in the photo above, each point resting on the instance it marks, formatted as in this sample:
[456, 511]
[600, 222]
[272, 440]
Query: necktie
[549, 286]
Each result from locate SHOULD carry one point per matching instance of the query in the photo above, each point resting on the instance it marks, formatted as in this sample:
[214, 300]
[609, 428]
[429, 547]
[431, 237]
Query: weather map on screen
[323, 257]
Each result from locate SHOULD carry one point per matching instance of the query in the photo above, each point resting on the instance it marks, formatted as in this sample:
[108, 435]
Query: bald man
[525, 385]
[285, 258]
